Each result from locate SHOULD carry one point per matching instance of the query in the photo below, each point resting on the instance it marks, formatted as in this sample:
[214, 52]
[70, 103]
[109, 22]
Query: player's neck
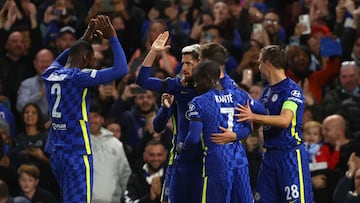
[277, 76]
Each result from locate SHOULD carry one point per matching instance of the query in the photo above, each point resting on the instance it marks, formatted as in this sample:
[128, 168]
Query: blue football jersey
[68, 97]
[213, 109]
[285, 94]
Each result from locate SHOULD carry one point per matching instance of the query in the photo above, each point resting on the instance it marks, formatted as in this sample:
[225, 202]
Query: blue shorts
[284, 176]
[229, 186]
[186, 182]
[74, 173]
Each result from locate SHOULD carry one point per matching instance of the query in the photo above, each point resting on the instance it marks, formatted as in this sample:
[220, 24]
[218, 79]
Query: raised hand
[167, 100]
[160, 43]
[105, 28]
[90, 30]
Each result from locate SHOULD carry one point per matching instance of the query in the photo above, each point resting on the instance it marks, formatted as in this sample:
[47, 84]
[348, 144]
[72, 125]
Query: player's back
[68, 99]
[217, 108]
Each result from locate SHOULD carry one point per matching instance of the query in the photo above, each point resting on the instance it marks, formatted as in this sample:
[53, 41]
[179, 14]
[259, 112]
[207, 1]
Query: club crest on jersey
[296, 93]
[274, 97]
[191, 111]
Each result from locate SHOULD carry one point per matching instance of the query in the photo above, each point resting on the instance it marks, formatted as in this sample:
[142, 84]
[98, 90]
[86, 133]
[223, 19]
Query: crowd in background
[323, 58]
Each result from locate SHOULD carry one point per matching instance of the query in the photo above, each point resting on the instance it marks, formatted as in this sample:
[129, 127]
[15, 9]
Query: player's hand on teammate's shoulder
[105, 29]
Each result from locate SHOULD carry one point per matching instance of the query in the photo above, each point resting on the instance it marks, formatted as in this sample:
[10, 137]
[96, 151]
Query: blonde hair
[311, 124]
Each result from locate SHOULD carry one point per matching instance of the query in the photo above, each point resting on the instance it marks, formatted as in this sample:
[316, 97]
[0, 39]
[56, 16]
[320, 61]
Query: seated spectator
[111, 168]
[146, 181]
[29, 180]
[348, 188]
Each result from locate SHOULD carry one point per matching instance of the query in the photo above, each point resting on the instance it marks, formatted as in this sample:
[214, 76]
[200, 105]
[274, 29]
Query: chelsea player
[66, 82]
[187, 187]
[225, 167]
[284, 174]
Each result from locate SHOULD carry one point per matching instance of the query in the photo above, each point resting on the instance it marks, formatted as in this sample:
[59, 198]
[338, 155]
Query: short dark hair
[275, 55]
[80, 48]
[206, 75]
[214, 52]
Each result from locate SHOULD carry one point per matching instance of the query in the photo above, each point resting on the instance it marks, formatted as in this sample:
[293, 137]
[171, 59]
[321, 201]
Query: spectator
[145, 183]
[299, 69]
[349, 84]
[333, 130]
[4, 193]
[7, 173]
[32, 89]
[111, 168]
[134, 121]
[272, 32]
[350, 110]
[29, 180]
[30, 144]
[63, 40]
[348, 188]
[7, 115]
[16, 64]
[114, 126]
[320, 160]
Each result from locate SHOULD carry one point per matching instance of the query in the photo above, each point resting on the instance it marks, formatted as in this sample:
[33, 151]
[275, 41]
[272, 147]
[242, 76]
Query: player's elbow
[284, 123]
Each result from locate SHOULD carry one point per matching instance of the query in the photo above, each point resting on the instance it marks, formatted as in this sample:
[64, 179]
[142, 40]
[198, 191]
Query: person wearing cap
[67, 82]
[64, 39]
[111, 167]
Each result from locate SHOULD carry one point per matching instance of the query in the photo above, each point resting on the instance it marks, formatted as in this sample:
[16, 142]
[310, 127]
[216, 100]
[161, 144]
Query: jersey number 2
[56, 90]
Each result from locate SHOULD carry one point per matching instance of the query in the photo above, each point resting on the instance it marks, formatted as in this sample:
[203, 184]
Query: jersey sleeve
[162, 118]
[195, 126]
[145, 81]
[93, 77]
[294, 99]
[257, 107]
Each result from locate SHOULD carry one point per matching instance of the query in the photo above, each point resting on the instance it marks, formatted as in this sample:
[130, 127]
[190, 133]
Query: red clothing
[320, 78]
[324, 155]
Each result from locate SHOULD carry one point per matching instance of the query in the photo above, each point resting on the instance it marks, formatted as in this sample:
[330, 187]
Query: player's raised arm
[119, 68]
[143, 78]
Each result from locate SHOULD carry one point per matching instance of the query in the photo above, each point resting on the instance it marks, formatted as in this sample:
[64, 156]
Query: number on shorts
[292, 192]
